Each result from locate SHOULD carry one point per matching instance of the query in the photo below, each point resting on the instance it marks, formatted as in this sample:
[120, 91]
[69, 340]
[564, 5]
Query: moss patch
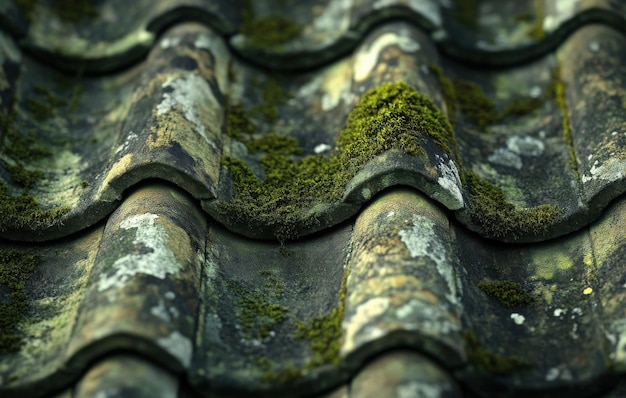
[473, 102]
[508, 293]
[268, 32]
[486, 360]
[67, 10]
[393, 115]
[536, 29]
[16, 266]
[499, 218]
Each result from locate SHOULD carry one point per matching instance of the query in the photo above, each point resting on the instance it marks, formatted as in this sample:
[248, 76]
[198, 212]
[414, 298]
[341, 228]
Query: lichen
[500, 218]
[16, 266]
[267, 32]
[485, 360]
[393, 115]
[509, 294]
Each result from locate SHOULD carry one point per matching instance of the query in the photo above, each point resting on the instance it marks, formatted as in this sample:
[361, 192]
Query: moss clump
[238, 122]
[500, 218]
[16, 266]
[509, 294]
[393, 115]
[523, 106]
[486, 360]
[269, 32]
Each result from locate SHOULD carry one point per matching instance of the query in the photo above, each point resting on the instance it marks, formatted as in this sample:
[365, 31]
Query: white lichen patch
[367, 58]
[535, 92]
[421, 241]
[612, 170]
[158, 262]
[335, 19]
[420, 389]
[518, 318]
[525, 145]
[178, 346]
[187, 93]
[450, 181]
[559, 312]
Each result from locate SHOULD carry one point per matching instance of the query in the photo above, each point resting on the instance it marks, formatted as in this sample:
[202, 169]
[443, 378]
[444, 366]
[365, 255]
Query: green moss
[499, 218]
[509, 294]
[16, 266]
[24, 177]
[486, 360]
[268, 32]
[474, 104]
[393, 115]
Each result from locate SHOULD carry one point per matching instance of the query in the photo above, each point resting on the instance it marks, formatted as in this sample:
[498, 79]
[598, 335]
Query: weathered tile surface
[480, 254]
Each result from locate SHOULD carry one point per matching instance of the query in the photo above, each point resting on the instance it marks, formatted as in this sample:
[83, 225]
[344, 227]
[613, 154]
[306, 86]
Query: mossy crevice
[16, 266]
[557, 91]
[485, 360]
[393, 115]
[500, 218]
[510, 294]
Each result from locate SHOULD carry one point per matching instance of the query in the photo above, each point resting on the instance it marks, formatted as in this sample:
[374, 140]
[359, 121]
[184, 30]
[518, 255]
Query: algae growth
[393, 115]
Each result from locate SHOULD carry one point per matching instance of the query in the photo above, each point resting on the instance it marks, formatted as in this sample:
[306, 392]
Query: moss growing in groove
[273, 94]
[523, 106]
[486, 360]
[393, 115]
[268, 32]
[474, 104]
[447, 89]
[500, 218]
[509, 294]
[16, 266]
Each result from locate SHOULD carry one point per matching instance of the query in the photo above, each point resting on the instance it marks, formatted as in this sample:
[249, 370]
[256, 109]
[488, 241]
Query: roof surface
[333, 198]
